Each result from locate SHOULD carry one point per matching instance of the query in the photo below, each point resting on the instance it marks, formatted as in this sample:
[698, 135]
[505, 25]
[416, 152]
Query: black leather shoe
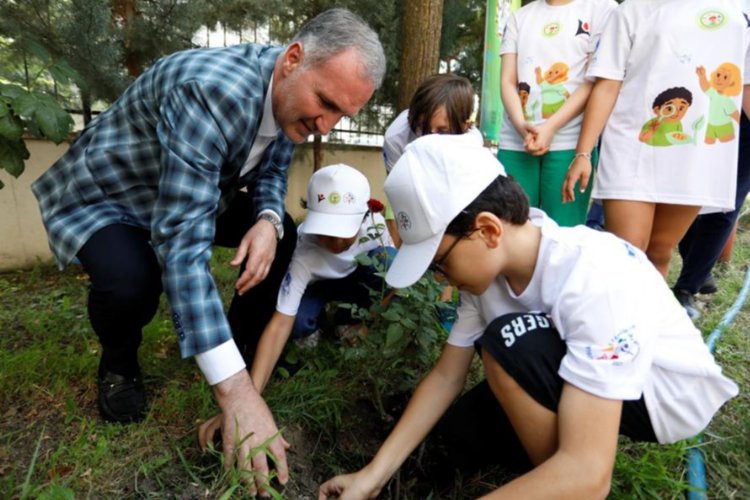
[121, 399]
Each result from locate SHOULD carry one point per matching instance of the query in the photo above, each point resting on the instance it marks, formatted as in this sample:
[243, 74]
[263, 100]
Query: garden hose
[696, 467]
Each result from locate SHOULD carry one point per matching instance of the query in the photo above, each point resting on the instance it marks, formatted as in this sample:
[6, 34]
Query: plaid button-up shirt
[166, 157]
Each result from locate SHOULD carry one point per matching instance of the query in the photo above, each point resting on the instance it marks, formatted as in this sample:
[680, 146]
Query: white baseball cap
[336, 201]
[435, 178]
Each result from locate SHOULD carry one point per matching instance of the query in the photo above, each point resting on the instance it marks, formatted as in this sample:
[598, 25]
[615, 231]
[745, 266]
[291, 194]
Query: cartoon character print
[523, 93]
[665, 128]
[725, 83]
[551, 83]
[621, 348]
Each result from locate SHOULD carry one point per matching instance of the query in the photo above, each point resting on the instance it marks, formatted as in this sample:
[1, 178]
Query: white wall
[23, 240]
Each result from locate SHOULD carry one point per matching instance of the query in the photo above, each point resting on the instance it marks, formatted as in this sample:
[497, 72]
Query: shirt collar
[268, 126]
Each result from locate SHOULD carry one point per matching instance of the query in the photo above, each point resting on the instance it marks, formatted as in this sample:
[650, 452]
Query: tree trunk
[423, 22]
[86, 105]
[317, 153]
[125, 11]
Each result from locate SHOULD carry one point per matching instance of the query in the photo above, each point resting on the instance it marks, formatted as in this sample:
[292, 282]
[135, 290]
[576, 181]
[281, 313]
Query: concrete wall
[23, 241]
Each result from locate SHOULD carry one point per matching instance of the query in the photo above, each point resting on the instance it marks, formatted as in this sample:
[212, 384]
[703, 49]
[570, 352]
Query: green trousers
[542, 178]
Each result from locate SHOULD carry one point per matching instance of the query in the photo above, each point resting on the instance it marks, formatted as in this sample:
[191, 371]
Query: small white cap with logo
[337, 198]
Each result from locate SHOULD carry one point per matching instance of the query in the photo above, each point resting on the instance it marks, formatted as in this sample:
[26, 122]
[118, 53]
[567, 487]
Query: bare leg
[670, 224]
[630, 220]
[535, 425]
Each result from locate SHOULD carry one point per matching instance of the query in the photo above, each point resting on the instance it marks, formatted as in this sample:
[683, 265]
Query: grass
[53, 445]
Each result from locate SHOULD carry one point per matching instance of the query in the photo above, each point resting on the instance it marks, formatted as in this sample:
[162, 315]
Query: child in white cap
[337, 228]
[580, 337]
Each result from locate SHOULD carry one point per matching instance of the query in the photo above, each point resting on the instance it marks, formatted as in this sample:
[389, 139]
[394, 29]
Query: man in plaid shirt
[155, 180]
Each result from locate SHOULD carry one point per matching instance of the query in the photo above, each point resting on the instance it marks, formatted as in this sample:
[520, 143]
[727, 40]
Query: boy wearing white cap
[337, 228]
[580, 337]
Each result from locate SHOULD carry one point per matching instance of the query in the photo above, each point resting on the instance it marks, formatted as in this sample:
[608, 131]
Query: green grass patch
[53, 445]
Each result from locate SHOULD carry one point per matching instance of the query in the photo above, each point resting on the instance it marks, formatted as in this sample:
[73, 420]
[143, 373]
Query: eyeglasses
[437, 266]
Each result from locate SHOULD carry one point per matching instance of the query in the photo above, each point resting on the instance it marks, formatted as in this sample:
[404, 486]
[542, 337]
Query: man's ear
[292, 57]
[491, 228]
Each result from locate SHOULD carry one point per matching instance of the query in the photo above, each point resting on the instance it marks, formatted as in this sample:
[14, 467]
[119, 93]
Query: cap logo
[348, 198]
[321, 197]
[404, 222]
[334, 198]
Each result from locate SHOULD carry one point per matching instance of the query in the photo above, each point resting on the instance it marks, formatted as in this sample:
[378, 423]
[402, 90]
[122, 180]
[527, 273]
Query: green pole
[498, 12]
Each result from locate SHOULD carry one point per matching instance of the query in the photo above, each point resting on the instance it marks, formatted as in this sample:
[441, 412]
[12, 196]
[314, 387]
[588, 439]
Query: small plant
[404, 333]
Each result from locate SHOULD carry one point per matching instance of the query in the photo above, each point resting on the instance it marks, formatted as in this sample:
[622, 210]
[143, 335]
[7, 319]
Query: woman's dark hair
[452, 91]
[504, 197]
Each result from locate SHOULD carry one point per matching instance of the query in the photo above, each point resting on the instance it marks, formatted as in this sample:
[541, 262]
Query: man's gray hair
[337, 30]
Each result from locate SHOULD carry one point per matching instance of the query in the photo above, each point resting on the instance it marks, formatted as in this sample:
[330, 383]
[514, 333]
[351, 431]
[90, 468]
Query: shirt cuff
[221, 362]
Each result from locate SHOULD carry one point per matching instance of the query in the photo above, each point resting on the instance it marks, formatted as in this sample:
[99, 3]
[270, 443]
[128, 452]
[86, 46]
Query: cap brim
[412, 261]
[336, 225]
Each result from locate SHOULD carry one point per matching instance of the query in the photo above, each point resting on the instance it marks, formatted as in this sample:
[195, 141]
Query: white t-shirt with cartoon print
[557, 41]
[602, 294]
[312, 262]
[672, 135]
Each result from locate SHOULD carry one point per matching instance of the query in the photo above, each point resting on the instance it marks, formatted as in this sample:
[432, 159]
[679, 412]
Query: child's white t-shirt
[541, 35]
[398, 135]
[312, 262]
[625, 332]
[654, 46]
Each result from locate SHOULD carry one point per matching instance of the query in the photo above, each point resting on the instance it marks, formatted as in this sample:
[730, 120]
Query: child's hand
[538, 138]
[349, 486]
[700, 71]
[580, 169]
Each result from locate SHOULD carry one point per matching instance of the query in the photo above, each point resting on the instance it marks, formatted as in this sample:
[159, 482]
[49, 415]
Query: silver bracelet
[585, 155]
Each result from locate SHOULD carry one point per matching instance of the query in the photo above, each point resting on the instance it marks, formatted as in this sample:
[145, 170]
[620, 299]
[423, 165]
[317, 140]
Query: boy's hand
[580, 169]
[349, 486]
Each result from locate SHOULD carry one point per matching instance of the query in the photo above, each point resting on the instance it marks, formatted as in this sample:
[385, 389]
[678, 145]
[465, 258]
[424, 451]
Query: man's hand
[246, 424]
[259, 246]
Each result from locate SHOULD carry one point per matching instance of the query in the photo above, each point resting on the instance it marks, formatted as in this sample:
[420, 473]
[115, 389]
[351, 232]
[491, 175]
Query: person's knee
[306, 323]
[660, 253]
[133, 289]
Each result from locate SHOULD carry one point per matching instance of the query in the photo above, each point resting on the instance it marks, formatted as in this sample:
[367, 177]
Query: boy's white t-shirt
[653, 46]
[398, 135]
[625, 332]
[541, 35]
[312, 262]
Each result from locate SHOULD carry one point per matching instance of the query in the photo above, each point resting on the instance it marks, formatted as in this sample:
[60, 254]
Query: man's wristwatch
[273, 219]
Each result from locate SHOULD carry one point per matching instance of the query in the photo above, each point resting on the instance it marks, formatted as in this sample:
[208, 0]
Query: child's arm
[543, 134]
[432, 397]
[583, 463]
[599, 107]
[271, 344]
[702, 80]
[509, 93]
